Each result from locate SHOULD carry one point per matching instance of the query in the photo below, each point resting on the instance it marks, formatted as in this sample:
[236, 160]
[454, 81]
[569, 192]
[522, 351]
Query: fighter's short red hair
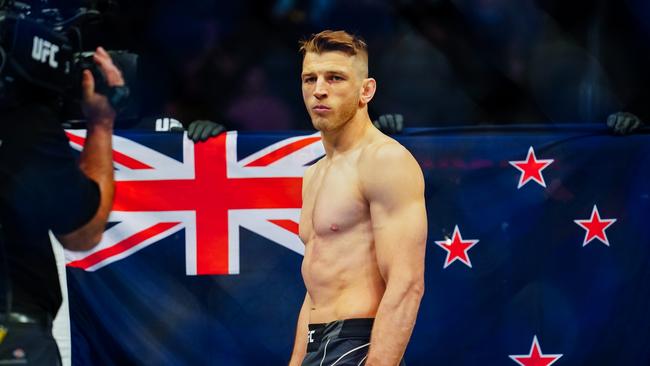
[329, 40]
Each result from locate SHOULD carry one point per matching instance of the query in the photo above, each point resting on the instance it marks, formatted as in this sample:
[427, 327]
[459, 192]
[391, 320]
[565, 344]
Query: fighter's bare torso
[340, 266]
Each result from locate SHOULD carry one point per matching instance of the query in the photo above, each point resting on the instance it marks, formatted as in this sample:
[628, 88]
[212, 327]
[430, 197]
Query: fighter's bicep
[399, 236]
[395, 194]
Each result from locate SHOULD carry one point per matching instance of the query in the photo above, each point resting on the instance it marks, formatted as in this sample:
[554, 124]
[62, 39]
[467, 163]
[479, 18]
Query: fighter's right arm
[300, 345]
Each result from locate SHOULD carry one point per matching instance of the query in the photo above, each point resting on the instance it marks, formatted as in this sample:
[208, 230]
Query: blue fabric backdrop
[530, 275]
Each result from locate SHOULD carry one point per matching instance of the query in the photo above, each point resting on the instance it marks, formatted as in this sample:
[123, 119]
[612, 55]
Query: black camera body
[36, 55]
[41, 52]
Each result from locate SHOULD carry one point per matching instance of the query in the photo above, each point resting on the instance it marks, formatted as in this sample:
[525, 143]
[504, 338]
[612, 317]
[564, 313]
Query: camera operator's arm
[96, 159]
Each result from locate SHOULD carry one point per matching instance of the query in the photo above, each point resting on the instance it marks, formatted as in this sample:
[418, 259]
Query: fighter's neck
[348, 137]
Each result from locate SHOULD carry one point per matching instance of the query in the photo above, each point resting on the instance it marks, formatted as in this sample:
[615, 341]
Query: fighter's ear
[368, 88]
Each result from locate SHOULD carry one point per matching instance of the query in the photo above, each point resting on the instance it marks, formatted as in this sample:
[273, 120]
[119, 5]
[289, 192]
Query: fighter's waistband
[347, 328]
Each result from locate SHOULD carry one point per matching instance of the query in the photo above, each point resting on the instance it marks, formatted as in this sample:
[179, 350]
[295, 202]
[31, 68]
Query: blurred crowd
[437, 62]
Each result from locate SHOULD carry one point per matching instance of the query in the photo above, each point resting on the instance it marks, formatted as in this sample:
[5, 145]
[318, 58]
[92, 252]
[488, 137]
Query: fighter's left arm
[394, 187]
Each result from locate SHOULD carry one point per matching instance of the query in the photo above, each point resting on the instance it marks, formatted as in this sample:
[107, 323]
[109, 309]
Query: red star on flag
[457, 248]
[531, 168]
[535, 357]
[595, 227]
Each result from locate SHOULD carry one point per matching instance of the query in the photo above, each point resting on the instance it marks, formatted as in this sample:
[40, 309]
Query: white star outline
[441, 243]
[530, 353]
[531, 151]
[581, 223]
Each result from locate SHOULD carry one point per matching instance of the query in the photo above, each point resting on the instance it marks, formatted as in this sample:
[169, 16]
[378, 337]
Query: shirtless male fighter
[363, 219]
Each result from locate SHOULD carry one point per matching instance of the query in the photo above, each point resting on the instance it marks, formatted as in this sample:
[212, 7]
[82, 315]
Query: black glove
[623, 123]
[201, 130]
[390, 123]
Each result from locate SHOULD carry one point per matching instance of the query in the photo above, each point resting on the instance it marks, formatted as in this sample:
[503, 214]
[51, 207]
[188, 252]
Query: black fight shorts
[339, 343]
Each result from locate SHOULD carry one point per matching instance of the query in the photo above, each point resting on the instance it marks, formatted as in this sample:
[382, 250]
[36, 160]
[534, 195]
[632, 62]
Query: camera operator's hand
[96, 106]
[202, 130]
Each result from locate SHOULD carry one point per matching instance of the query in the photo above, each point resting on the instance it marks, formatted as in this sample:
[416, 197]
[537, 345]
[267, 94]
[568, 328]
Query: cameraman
[43, 188]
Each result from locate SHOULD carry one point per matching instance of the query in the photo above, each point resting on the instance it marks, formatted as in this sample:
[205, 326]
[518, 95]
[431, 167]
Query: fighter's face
[331, 88]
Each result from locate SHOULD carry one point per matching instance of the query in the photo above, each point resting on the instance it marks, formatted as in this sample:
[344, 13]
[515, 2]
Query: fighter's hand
[201, 130]
[390, 123]
[623, 123]
[96, 106]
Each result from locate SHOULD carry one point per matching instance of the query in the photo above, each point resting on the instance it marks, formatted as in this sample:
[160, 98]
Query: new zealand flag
[538, 250]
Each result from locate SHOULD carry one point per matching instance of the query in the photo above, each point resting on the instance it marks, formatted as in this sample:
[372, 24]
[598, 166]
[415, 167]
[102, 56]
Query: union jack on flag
[210, 193]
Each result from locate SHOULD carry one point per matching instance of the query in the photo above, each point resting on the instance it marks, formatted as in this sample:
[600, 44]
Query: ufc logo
[166, 124]
[310, 335]
[45, 51]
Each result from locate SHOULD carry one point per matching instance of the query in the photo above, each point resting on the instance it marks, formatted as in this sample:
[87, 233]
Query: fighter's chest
[333, 201]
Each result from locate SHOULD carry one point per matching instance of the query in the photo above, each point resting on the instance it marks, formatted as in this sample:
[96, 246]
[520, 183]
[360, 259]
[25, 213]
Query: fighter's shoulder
[388, 170]
[384, 152]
